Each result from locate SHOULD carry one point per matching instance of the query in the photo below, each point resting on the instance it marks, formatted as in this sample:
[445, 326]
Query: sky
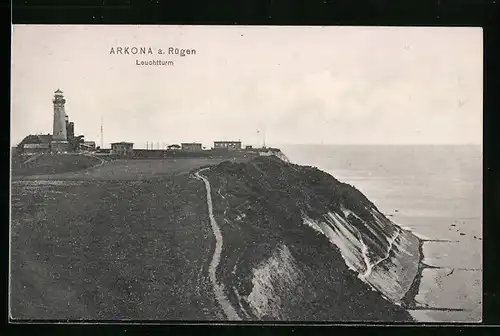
[295, 85]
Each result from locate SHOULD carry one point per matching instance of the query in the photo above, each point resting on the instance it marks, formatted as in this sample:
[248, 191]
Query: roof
[238, 141]
[191, 143]
[268, 149]
[122, 143]
[37, 139]
[58, 91]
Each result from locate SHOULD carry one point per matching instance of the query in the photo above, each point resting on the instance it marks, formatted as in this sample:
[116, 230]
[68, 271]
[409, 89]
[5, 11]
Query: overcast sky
[331, 85]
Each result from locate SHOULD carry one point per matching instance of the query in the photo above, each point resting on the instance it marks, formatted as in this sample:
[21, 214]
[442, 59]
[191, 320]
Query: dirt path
[95, 157]
[33, 158]
[229, 310]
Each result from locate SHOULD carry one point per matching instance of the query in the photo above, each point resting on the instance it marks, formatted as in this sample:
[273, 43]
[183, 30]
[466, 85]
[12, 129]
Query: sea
[436, 192]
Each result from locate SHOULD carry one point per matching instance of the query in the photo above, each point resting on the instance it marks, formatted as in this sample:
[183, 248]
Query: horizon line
[379, 144]
[343, 144]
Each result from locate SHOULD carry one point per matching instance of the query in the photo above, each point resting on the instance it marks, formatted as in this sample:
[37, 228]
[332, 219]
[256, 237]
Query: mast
[264, 136]
[102, 132]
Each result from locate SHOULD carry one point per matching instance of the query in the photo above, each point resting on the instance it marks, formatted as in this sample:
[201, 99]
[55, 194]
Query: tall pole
[102, 132]
[264, 135]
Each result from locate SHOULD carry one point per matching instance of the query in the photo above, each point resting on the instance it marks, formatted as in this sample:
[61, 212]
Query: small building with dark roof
[122, 148]
[191, 146]
[35, 143]
[229, 145]
[88, 146]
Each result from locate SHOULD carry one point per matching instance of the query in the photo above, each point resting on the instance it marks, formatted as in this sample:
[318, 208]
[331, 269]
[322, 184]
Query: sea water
[434, 191]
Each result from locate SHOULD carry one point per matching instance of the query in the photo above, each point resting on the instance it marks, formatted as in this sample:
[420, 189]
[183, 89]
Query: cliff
[300, 245]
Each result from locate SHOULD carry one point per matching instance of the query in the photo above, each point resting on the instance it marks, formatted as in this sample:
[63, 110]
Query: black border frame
[479, 13]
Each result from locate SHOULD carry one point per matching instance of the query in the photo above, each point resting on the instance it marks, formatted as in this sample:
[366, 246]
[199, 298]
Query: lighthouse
[59, 136]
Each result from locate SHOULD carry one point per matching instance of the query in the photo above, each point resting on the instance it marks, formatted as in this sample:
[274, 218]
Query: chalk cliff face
[277, 153]
[300, 245]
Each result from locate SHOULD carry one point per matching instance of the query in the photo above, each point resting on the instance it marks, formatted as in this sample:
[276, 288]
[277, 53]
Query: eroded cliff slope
[300, 245]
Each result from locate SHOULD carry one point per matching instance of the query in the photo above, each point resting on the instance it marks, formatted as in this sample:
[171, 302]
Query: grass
[102, 244]
[51, 164]
[131, 239]
[133, 169]
[110, 250]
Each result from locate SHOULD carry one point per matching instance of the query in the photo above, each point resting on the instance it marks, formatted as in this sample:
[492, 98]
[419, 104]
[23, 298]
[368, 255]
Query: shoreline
[408, 301]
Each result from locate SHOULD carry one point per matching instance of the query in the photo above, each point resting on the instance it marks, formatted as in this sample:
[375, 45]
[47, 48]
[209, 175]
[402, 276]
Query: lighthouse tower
[59, 136]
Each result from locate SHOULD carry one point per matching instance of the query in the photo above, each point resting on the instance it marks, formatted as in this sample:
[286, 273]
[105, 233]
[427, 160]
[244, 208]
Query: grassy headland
[132, 239]
[128, 239]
